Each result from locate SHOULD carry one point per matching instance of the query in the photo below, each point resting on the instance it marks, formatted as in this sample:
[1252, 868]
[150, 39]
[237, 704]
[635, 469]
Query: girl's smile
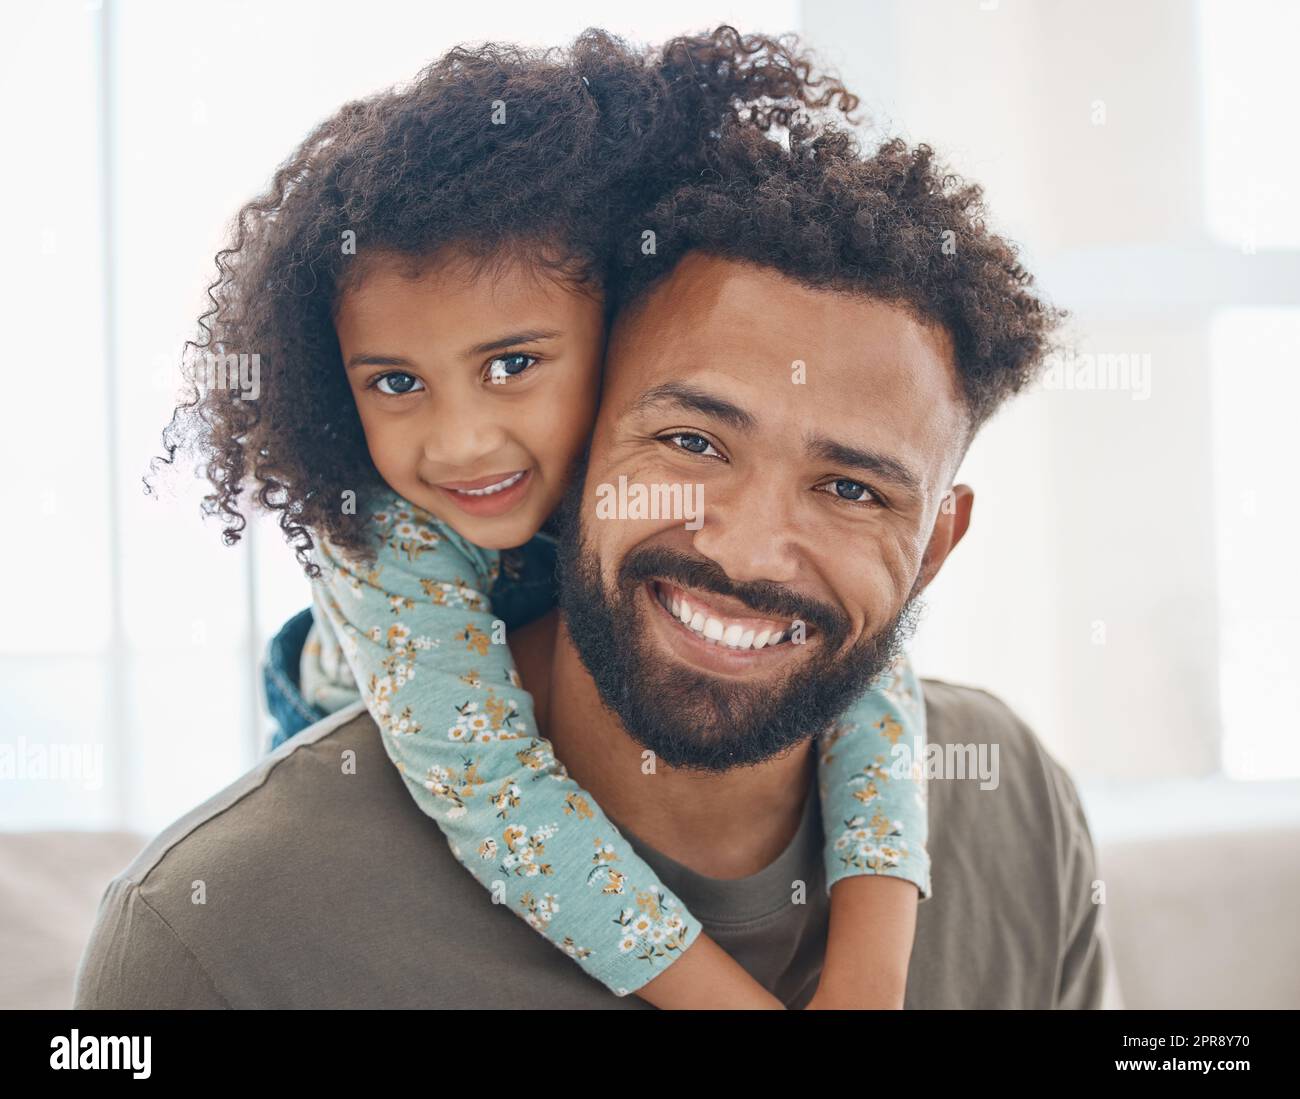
[489, 496]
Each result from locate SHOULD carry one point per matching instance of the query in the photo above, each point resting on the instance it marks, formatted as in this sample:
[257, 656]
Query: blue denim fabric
[288, 709]
[525, 590]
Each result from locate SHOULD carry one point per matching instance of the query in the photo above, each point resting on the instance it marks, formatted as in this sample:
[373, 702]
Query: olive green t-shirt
[315, 881]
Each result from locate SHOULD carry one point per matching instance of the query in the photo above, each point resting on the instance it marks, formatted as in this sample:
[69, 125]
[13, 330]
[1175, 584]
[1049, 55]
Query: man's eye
[395, 383]
[504, 367]
[854, 492]
[691, 443]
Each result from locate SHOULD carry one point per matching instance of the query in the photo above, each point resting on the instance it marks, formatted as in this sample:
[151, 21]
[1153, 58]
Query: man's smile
[717, 633]
[709, 615]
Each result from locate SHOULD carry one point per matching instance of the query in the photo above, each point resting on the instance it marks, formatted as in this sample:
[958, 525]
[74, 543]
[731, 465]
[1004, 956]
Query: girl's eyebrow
[530, 336]
[376, 360]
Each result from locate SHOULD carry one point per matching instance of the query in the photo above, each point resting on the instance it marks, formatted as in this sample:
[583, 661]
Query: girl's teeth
[498, 487]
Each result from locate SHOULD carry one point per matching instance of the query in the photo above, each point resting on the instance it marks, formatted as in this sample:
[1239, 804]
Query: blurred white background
[1129, 584]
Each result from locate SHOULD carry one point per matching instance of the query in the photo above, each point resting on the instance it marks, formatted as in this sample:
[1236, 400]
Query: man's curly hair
[892, 225]
[590, 134]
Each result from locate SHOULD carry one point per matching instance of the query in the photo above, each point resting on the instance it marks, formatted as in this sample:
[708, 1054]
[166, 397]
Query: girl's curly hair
[546, 155]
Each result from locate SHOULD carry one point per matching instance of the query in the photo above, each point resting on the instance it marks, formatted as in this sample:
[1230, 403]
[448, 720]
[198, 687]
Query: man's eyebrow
[532, 335]
[688, 397]
[882, 465]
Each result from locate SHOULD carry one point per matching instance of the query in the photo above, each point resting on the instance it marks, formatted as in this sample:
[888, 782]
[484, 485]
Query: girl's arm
[873, 794]
[873, 923]
[436, 673]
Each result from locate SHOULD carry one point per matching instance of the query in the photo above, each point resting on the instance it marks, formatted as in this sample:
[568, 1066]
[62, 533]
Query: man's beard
[689, 718]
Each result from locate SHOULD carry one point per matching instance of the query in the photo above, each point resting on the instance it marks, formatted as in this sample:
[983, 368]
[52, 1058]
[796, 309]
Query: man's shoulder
[241, 814]
[256, 873]
[315, 881]
[960, 719]
[1013, 863]
[954, 709]
[993, 768]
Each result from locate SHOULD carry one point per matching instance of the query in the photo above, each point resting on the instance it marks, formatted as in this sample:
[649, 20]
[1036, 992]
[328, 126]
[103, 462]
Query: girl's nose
[458, 442]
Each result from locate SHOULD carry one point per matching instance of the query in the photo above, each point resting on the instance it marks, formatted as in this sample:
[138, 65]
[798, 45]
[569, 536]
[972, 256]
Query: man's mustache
[766, 598]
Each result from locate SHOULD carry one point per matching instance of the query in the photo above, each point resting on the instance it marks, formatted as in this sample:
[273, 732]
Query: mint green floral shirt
[412, 631]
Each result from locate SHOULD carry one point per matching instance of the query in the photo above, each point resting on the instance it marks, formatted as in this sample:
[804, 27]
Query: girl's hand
[706, 977]
[868, 945]
[824, 1000]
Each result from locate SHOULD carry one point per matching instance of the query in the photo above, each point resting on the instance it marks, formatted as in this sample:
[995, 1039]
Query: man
[814, 339]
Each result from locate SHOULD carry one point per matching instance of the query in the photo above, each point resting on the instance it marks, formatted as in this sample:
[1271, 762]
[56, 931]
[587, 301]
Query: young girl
[423, 284]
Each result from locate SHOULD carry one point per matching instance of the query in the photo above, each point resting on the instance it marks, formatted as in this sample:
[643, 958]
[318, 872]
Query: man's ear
[949, 529]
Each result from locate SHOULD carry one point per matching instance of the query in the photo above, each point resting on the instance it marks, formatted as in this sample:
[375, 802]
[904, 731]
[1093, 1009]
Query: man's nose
[750, 531]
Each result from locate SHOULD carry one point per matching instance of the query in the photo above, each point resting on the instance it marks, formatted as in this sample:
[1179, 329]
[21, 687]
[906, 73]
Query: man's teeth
[512, 479]
[733, 636]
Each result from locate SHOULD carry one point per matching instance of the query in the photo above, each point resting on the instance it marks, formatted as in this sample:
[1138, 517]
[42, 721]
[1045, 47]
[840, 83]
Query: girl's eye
[691, 443]
[854, 492]
[395, 384]
[501, 369]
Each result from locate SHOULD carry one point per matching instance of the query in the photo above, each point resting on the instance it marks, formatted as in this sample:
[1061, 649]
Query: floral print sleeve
[873, 794]
[433, 668]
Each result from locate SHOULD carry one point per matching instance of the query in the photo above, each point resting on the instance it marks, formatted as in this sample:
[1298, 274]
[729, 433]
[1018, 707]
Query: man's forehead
[791, 355]
[755, 317]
